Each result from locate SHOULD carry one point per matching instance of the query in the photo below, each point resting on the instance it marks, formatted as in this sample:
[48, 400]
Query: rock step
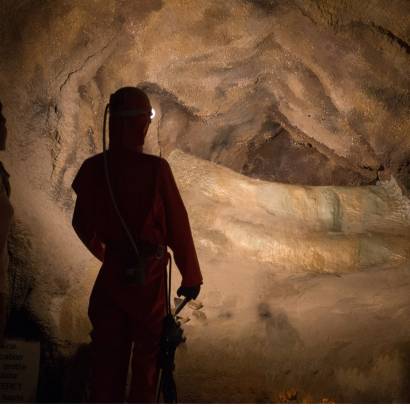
[330, 252]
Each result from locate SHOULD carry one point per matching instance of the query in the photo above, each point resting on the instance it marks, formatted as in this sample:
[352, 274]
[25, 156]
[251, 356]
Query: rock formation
[286, 123]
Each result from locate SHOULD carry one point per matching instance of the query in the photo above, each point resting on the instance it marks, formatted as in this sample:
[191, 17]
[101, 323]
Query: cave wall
[251, 96]
[334, 75]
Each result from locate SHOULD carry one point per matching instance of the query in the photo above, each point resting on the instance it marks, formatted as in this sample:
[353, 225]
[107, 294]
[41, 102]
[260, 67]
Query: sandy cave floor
[343, 337]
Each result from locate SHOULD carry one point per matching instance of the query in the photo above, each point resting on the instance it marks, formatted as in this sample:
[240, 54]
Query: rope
[107, 177]
[169, 284]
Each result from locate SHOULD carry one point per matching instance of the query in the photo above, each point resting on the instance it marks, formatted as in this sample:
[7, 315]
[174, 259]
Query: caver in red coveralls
[122, 313]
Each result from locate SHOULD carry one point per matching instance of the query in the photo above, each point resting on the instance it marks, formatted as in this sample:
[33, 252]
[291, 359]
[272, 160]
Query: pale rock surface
[286, 124]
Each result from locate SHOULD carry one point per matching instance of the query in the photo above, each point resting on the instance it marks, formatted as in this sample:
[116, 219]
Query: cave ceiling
[302, 92]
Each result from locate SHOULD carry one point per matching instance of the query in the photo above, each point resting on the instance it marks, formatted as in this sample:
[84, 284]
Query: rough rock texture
[322, 229]
[334, 74]
[303, 92]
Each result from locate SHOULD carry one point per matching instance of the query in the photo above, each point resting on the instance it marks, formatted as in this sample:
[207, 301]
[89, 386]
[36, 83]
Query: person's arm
[83, 220]
[179, 236]
[85, 231]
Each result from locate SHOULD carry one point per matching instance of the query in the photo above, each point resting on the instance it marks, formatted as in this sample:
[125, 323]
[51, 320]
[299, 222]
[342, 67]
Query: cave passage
[286, 126]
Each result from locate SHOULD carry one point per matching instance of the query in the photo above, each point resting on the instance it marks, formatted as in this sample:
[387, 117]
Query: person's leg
[110, 354]
[145, 364]
[148, 319]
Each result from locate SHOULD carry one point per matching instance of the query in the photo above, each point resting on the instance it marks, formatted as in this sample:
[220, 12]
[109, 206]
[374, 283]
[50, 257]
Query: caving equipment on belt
[171, 338]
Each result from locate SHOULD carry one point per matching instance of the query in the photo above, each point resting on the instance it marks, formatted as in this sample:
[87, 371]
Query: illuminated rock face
[226, 79]
[324, 229]
[286, 125]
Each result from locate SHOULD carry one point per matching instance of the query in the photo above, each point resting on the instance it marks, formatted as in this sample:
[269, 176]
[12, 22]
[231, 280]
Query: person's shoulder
[150, 157]
[155, 160]
[87, 171]
[94, 160]
[92, 164]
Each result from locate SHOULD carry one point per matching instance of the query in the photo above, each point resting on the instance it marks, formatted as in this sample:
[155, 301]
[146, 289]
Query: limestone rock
[286, 124]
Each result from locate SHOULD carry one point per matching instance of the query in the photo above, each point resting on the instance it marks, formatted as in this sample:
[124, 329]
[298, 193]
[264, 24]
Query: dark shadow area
[22, 325]
[76, 380]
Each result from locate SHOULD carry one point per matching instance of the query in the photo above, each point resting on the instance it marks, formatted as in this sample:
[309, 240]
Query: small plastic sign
[19, 368]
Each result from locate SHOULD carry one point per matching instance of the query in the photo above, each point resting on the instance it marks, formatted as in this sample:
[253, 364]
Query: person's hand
[190, 292]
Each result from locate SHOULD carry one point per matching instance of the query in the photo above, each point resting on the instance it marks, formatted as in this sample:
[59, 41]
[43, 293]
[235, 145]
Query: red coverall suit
[123, 313]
